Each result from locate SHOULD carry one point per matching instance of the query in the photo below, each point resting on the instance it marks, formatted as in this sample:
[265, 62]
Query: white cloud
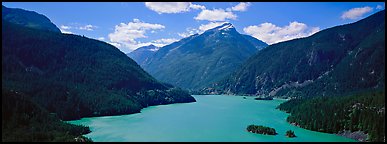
[194, 6]
[215, 15]
[65, 32]
[379, 7]
[189, 32]
[65, 27]
[356, 13]
[101, 38]
[271, 33]
[165, 41]
[126, 34]
[241, 6]
[158, 43]
[172, 7]
[115, 44]
[88, 27]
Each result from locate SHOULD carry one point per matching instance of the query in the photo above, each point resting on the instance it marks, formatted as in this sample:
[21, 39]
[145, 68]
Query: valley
[88, 77]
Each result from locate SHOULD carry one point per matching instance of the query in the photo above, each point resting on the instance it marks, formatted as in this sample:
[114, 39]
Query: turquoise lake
[214, 118]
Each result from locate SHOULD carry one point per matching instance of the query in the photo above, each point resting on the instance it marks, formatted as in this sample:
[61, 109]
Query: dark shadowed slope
[28, 18]
[75, 76]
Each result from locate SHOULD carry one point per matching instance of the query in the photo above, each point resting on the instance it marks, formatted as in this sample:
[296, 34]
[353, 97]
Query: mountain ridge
[28, 18]
[75, 76]
[298, 62]
[200, 59]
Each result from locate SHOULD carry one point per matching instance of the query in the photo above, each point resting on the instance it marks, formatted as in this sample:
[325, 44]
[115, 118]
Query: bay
[213, 118]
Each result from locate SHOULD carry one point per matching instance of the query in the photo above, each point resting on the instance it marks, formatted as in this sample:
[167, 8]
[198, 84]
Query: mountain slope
[75, 76]
[142, 54]
[333, 61]
[28, 18]
[25, 121]
[199, 60]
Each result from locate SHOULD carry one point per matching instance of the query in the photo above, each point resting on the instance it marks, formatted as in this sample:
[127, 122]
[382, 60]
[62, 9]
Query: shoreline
[359, 136]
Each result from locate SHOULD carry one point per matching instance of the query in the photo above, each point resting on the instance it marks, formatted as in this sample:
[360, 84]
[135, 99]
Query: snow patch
[154, 49]
[226, 27]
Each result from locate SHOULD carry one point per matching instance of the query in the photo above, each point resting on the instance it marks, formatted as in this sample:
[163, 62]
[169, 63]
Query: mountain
[74, 76]
[257, 43]
[142, 54]
[334, 61]
[28, 18]
[198, 60]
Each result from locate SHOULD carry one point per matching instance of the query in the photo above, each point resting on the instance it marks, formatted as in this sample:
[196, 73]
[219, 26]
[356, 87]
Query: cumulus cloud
[215, 15]
[241, 6]
[188, 32]
[172, 7]
[356, 13]
[271, 33]
[195, 6]
[101, 38]
[126, 34]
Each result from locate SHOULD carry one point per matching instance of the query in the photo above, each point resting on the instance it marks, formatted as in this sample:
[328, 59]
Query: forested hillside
[333, 61]
[75, 76]
[364, 111]
[25, 121]
[29, 19]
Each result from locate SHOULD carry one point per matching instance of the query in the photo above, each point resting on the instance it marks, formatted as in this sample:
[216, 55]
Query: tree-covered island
[261, 129]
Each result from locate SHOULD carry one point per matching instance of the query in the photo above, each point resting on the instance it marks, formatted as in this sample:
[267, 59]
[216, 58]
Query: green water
[211, 118]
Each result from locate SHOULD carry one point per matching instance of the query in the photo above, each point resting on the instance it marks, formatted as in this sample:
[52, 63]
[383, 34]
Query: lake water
[212, 118]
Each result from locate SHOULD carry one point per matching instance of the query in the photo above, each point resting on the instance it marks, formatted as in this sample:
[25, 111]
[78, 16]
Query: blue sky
[129, 25]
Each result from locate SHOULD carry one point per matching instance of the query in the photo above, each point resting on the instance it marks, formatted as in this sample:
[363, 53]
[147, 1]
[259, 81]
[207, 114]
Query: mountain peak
[225, 26]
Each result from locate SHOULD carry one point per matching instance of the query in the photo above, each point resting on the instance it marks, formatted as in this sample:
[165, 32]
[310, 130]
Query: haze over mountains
[142, 54]
[198, 60]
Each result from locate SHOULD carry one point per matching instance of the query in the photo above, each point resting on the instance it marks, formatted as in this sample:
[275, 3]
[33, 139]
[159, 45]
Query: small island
[261, 130]
[263, 98]
[290, 134]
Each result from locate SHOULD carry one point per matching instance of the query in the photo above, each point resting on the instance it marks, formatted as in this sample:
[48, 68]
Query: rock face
[198, 60]
[356, 135]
